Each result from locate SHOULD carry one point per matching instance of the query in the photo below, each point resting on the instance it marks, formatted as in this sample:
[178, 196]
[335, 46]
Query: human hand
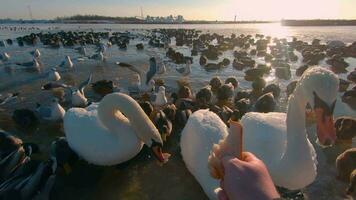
[246, 179]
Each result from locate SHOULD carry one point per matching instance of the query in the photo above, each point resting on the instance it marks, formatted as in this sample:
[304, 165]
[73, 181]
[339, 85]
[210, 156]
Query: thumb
[229, 160]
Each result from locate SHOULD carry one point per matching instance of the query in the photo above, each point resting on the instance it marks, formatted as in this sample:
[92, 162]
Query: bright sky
[190, 9]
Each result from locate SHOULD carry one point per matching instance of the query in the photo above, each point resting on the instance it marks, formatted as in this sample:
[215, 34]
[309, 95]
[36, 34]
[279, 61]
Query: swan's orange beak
[325, 127]
[161, 157]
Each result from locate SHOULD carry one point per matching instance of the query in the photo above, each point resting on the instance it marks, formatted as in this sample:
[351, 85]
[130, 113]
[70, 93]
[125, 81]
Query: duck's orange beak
[325, 127]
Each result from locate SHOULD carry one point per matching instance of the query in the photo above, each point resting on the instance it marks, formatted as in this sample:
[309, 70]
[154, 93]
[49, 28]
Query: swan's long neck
[297, 163]
[139, 121]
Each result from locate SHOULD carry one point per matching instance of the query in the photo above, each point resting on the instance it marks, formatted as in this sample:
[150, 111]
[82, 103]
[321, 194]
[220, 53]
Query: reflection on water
[142, 178]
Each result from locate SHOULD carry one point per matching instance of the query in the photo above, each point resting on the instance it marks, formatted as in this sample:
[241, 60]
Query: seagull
[185, 70]
[78, 96]
[161, 67]
[53, 75]
[36, 53]
[5, 56]
[82, 50]
[67, 63]
[99, 56]
[54, 85]
[161, 98]
[56, 88]
[6, 98]
[34, 64]
[54, 112]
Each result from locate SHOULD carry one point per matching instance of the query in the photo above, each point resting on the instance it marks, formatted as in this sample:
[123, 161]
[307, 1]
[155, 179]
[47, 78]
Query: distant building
[169, 19]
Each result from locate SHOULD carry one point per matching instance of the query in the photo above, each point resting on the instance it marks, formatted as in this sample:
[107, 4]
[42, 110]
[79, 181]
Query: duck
[103, 87]
[345, 164]
[25, 119]
[185, 71]
[286, 151]
[53, 75]
[345, 130]
[34, 179]
[349, 98]
[54, 112]
[161, 98]
[13, 153]
[352, 185]
[203, 97]
[265, 103]
[67, 63]
[115, 130]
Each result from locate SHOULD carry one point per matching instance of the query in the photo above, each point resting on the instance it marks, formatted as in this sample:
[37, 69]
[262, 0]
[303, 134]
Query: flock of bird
[114, 129]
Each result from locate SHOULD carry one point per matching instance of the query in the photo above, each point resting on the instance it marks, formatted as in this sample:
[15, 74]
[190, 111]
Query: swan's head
[117, 107]
[319, 87]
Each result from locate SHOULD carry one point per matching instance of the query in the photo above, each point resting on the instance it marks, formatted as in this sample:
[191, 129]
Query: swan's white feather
[96, 144]
[203, 129]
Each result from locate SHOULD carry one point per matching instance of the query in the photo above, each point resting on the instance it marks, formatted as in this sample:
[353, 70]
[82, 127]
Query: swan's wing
[87, 136]
[203, 129]
[264, 134]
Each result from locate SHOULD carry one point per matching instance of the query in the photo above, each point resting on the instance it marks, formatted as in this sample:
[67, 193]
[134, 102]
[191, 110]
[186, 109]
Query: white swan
[279, 139]
[203, 129]
[112, 132]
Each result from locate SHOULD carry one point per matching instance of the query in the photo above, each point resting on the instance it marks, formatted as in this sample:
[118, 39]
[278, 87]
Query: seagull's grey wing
[25, 64]
[62, 64]
[84, 84]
